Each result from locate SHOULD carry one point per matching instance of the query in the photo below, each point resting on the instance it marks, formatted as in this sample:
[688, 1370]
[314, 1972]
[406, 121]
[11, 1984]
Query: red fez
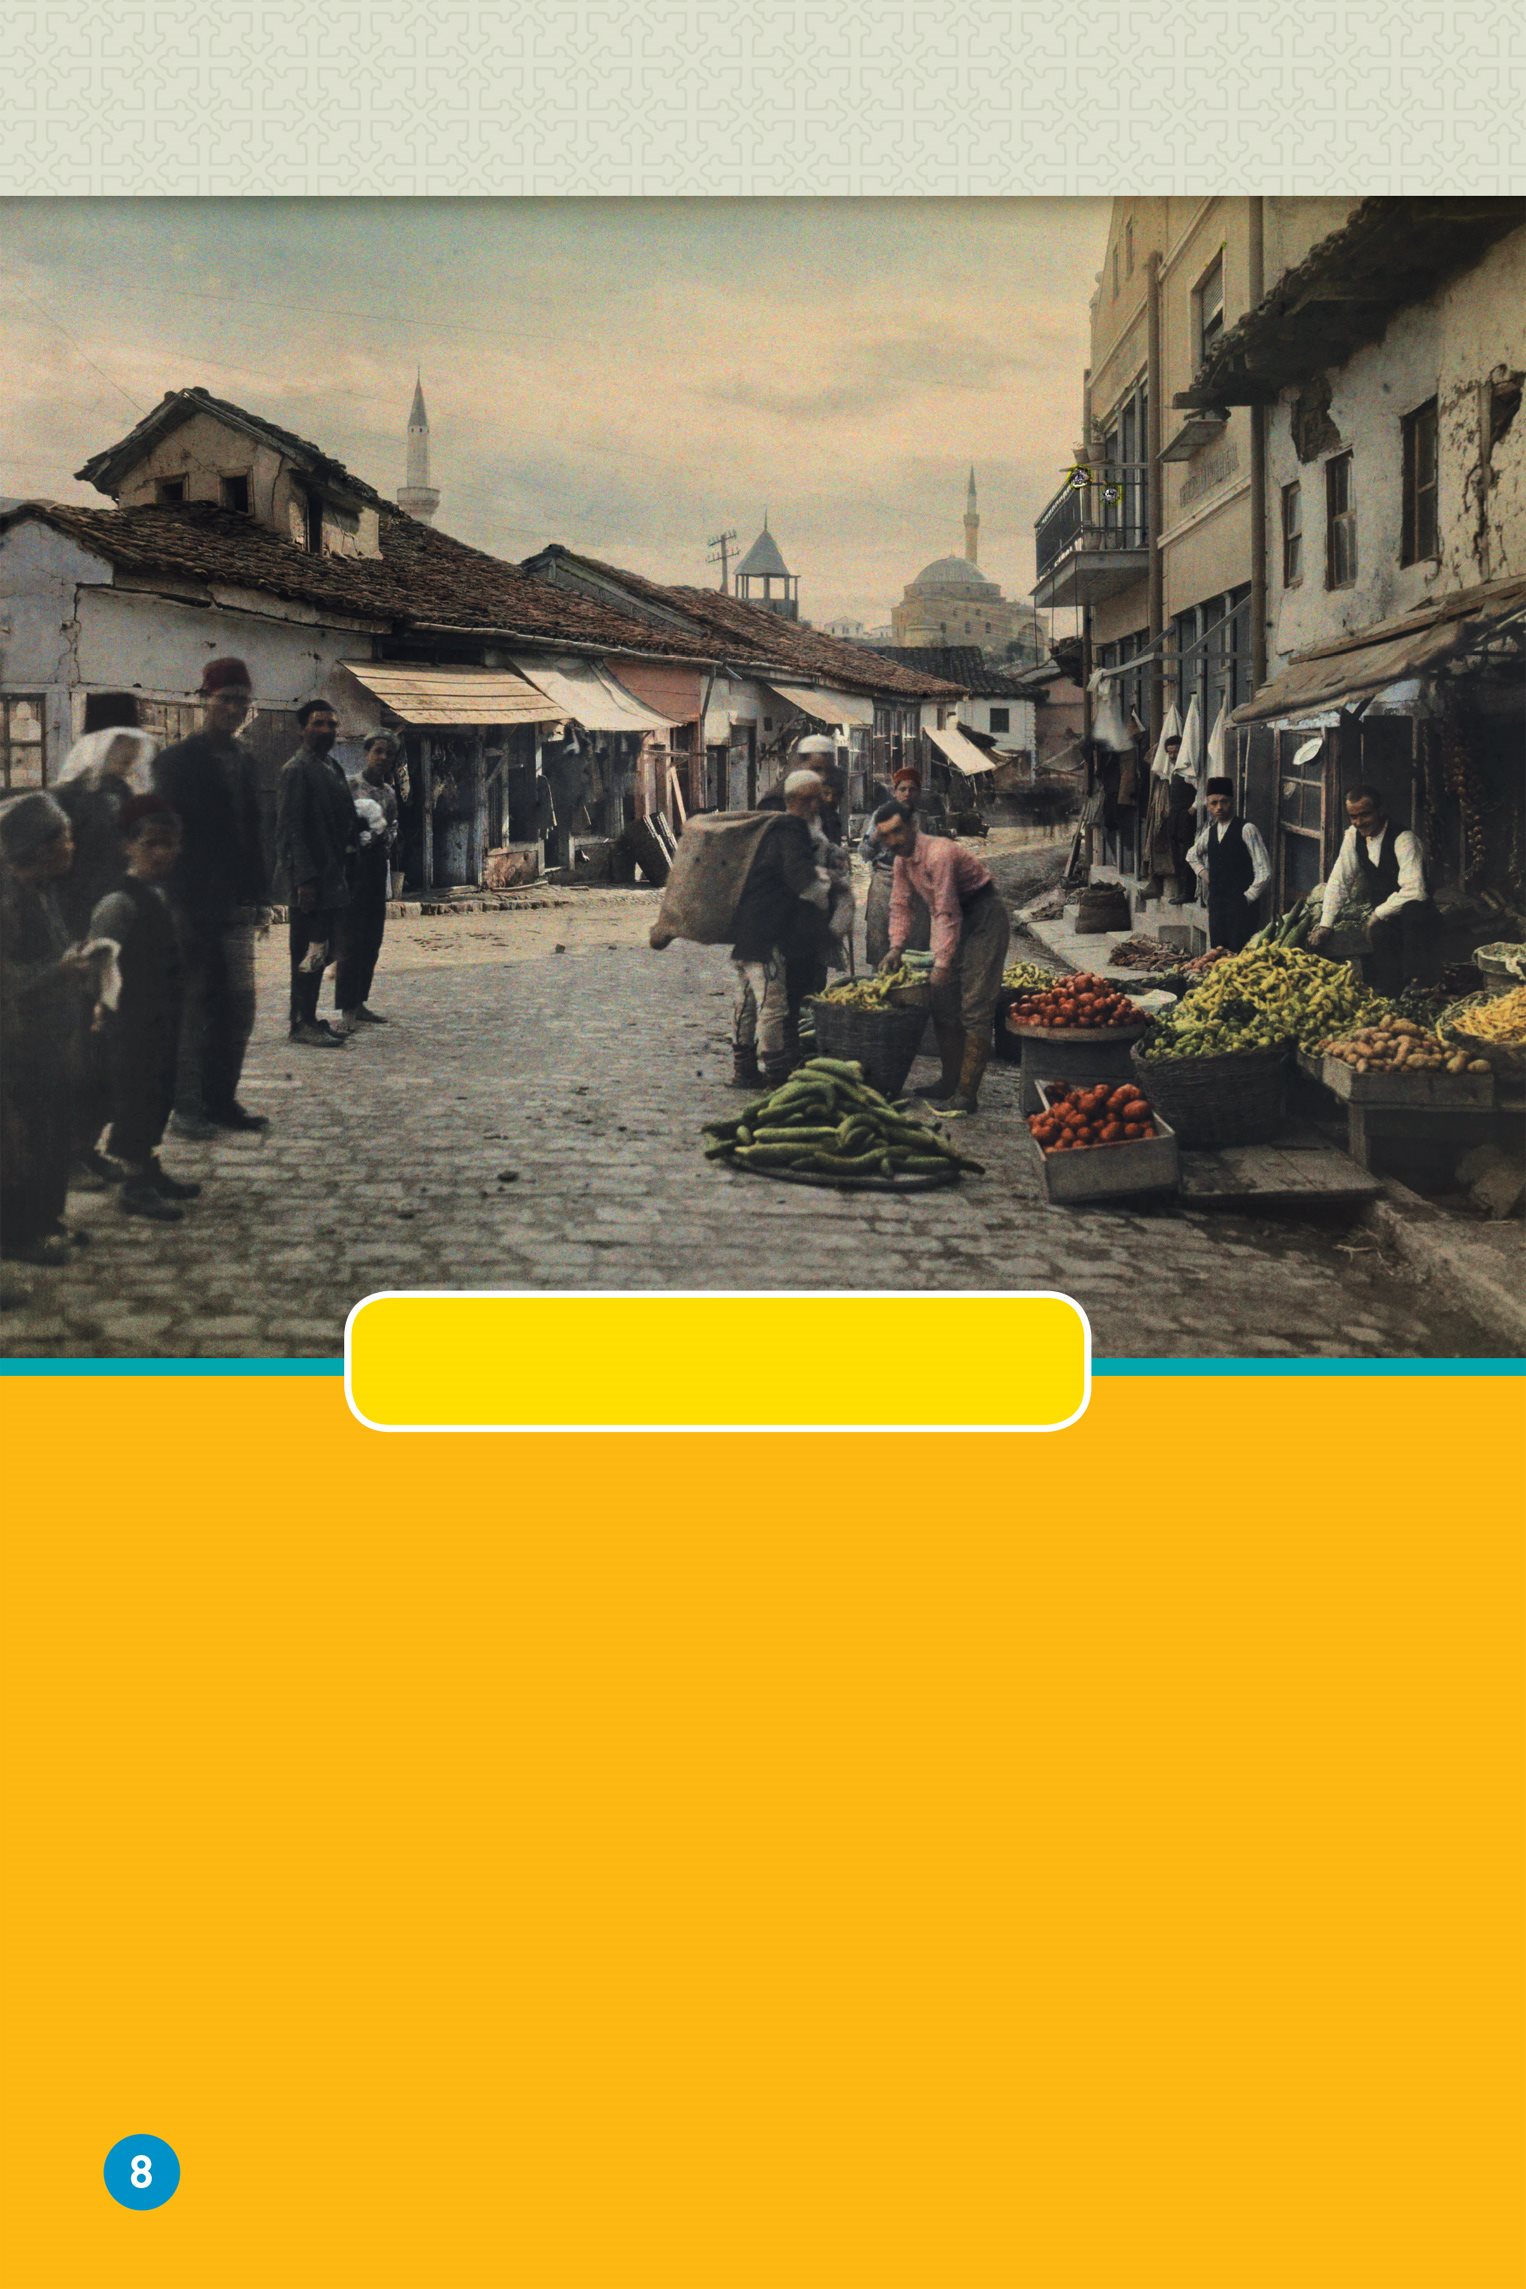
[225, 675]
[906, 772]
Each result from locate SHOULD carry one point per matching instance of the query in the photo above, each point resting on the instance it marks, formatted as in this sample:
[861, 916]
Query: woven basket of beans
[883, 1041]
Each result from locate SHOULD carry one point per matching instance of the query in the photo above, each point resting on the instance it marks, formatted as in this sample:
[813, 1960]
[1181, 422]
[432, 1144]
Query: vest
[1381, 879]
[1229, 862]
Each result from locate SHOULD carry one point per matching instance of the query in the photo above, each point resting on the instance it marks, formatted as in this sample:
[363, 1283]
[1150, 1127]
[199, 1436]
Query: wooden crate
[1445, 1092]
[1110, 1171]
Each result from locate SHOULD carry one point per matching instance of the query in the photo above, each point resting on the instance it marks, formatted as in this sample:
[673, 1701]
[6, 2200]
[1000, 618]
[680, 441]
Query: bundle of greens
[826, 1123]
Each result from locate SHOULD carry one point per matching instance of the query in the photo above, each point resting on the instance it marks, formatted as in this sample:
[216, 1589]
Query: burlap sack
[709, 873]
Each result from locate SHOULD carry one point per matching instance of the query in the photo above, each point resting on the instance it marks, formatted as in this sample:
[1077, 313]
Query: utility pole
[719, 546]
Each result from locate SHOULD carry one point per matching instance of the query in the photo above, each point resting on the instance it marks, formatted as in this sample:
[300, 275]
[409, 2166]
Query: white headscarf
[87, 757]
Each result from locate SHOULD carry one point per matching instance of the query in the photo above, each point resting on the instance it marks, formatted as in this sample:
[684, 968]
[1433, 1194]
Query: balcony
[1093, 540]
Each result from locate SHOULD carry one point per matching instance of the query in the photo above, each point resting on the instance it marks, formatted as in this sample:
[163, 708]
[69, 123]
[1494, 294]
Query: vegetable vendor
[970, 934]
[905, 787]
[780, 939]
[1382, 867]
[1229, 859]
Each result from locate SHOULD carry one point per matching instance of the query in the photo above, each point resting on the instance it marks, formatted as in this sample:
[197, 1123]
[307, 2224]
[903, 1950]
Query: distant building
[846, 631]
[417, 496]
[951, 601]
[764, 579]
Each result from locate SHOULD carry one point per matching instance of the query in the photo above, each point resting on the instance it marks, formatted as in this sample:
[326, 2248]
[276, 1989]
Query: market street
[531, 1116]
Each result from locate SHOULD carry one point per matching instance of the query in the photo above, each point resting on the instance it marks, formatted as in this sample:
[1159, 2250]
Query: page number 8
[142, 2173]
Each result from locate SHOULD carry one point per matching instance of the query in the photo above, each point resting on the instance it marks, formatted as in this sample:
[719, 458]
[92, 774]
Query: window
[236, 495]
[315, 523]
[1421, 535]
[1340, 524]
[1292, 534]
[170, 492]
[22, 753]
[1001, 719]
[1128, 248]
[1115, 269]
[1208, 302]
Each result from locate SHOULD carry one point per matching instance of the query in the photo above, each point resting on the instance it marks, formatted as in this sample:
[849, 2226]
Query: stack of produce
[1201, 964]
[1094, 1113]
[872, 992]
[1399, 1045]
[1028, 977]
[1292, 928]
[1145, 954]
[1501, 1022]
[826, 1122]
[1082, 1001]
[1261, 998]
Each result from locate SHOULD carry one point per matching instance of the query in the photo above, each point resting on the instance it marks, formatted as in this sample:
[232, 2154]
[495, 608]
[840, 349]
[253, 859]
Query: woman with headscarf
[104, 770]
[47, 987]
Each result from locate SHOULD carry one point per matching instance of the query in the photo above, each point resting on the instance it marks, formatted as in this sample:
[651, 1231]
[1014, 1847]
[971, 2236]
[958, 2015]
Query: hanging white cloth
[1218, 744]
[1109, 728]
[1190, 754]
[1160, 766]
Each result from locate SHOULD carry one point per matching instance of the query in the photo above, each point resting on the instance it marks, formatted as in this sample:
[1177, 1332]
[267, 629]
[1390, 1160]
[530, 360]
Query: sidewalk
[1476, 1267]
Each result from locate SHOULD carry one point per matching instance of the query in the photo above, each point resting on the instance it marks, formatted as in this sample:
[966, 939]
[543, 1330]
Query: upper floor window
[1340, 524]
[1421, 537]
[169, 492]
[1208, 307]
[22, 746]
[314, 531]
[236, 495]
[1001, 719]
[1292, 533]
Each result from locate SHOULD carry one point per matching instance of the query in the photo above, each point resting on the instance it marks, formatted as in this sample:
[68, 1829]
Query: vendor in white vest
[1382, 866]
[1229, 859]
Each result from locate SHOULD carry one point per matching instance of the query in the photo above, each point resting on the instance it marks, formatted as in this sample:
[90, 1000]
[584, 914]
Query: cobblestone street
[531, 1115]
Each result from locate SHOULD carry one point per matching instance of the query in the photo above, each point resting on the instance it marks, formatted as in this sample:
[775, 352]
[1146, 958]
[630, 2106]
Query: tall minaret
[418, 496]
[971, 523]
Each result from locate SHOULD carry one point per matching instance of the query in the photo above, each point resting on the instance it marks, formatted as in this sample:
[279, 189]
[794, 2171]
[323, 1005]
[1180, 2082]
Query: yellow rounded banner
[557, 1360]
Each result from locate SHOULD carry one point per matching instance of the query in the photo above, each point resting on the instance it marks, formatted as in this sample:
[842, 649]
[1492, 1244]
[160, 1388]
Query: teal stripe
[335, 1367]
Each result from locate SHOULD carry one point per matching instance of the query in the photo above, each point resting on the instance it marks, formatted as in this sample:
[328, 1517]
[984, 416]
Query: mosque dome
[952, 572]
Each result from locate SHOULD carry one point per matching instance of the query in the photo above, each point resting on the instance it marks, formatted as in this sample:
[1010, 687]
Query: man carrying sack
[970, 936]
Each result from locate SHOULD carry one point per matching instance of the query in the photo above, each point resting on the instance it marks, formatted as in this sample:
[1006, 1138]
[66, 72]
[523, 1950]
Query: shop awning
[827, 706]
[961, 752]
[451, 695]
[1415, 645]
[591, 694]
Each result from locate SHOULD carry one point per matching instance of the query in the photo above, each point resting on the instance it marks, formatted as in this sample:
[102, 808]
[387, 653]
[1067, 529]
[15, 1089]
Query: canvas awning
[591, 694]
[1358, 665]
[451, 695]
[827, 706]
[961, 752]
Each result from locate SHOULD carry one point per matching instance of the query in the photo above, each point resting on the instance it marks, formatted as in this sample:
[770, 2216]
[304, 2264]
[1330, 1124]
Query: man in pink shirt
[970, 935]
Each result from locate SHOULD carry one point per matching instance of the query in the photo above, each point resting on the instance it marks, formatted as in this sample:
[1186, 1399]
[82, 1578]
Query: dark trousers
[217, 1015]
[1231, 920]
[36, 1153]
[141, 1068]
[320, 928]
[361, 929]
[1405, 948]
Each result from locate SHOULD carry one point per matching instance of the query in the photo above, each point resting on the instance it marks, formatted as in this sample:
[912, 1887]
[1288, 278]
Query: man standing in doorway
[1229, 859]
[316, 833]
[219, 896]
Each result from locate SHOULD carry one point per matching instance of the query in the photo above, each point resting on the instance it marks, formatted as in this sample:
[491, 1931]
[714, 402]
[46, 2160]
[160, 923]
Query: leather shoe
[235, 1117]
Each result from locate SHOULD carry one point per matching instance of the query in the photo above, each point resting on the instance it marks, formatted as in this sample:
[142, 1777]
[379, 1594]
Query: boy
[143, 1031]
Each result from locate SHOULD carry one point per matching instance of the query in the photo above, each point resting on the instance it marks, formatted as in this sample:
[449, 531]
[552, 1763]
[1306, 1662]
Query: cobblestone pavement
[531, 1116]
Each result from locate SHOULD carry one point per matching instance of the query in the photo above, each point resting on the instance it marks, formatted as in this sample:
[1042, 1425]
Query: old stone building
[951, 601]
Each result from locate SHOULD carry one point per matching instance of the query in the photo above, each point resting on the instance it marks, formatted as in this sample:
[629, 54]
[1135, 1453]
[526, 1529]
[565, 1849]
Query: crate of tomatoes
[1101, 1140]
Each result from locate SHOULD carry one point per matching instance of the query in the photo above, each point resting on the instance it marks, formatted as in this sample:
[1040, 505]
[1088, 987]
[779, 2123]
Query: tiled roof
[423, 578]
[967, 665]
[752, 636]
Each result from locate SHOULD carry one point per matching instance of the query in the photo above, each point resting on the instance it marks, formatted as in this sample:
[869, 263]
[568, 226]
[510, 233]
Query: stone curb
[1477, 1267]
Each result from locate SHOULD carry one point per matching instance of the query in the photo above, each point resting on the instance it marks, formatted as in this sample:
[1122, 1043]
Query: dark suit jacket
[317, 827]
[222, 862]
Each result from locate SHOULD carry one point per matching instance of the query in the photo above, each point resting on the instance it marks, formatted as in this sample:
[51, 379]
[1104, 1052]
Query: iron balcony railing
[1101, 506]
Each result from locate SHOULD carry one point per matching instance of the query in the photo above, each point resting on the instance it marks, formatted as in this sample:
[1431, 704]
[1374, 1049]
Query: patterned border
[694, 97]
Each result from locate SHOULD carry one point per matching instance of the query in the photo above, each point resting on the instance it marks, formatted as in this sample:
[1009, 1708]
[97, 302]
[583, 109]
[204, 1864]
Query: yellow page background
[1090, 1862]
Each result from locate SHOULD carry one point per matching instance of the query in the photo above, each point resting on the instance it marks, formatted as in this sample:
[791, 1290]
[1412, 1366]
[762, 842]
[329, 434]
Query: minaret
[971, 523]
[417, 495]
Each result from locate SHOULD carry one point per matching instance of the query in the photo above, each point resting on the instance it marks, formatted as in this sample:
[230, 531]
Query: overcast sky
[628, 376]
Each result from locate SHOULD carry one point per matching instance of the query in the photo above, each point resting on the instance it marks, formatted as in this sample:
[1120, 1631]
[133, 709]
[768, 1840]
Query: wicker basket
[884, 1041]
[1211, 1101]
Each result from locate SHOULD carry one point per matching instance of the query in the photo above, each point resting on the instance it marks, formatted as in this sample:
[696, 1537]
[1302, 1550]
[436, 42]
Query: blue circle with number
[142, 2173]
